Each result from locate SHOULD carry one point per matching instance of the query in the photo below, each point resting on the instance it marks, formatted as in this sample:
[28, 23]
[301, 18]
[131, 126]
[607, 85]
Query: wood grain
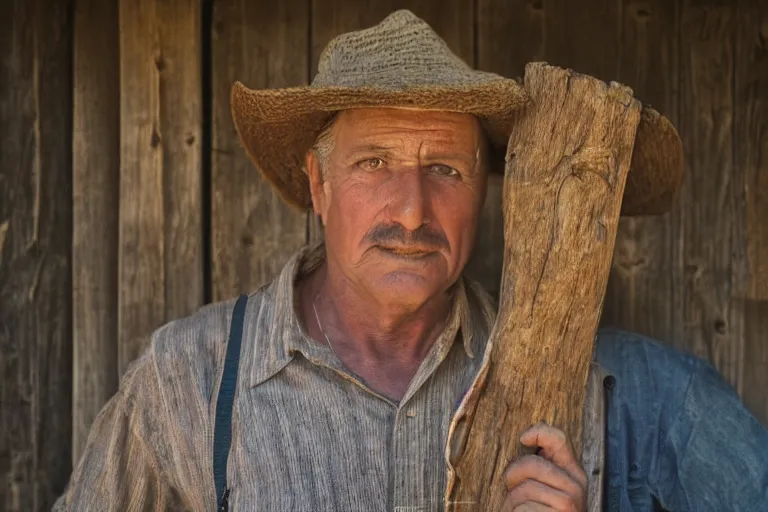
[509, 35]
[95, 182]
[710, 323]
[751, 144]
[640, 294]
[484, 265]
[586, 38]
[253, 234]
[567, 163]
[35, 252]
[160, 259]
[756, 359]
[750, 242]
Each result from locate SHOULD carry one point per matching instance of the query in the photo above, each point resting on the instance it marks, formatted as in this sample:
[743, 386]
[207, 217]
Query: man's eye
[371, 164]
[443, 170]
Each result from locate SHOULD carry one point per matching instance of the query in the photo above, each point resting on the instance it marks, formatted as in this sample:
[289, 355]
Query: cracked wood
[567, 163]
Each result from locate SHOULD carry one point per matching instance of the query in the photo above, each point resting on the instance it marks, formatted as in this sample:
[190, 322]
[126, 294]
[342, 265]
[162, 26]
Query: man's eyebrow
[362, 148]
[367, 150]
[470, 160]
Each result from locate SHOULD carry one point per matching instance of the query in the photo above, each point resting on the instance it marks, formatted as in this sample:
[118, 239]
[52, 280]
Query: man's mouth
[408, 252]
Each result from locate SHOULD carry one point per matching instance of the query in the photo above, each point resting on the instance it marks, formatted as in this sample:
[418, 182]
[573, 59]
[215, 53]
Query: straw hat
[402, 62]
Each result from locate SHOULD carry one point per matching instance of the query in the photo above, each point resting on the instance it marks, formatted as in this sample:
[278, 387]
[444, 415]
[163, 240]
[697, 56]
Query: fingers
[526, 507]
[551, 480]
[534, 496]
[533, 467]
[532, 507]
[556, 448]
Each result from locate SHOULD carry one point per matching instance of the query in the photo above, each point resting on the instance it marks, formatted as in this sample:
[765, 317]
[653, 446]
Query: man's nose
[409, 202]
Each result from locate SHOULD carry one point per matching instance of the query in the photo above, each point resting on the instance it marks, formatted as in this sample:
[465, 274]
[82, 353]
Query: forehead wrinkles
[413, 133]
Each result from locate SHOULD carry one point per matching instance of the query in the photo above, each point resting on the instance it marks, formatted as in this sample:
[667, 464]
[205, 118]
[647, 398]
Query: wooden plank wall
[35, 251]
[95, 182]
[127, 201]
[262, 44]
[160, 268]
[751, 198]
[710, 320]
[640, 291]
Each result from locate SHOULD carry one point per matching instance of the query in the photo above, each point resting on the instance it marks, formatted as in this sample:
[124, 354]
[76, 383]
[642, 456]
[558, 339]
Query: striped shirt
[307, 434]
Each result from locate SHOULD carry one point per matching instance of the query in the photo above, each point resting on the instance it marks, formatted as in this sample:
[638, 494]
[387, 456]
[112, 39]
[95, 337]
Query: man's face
[400, 195]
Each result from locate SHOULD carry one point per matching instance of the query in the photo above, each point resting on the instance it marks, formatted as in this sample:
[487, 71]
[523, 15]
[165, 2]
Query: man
[353, 360]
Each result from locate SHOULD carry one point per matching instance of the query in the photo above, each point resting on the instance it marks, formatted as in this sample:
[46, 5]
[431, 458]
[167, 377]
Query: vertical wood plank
[711, 322]
[750, 243]
[180, 94]
[253, 234]
[509, 35]
[35, 252]
[555, 271]
[586, 38]
[95, 181]
[751, 140]
[485, 263]
[755, 378]
[453, 20]
[512, 33]
[640, 292]
[160, 259]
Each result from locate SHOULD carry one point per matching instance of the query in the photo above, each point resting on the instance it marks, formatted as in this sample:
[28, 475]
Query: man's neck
[383, 343]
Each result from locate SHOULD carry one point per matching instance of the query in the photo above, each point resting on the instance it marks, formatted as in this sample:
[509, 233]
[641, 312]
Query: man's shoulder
[649, 371]
[204, 329]
[618, 350]
[192, 349]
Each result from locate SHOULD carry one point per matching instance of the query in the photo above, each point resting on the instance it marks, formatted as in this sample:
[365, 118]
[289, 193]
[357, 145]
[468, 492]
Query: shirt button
[410, 413]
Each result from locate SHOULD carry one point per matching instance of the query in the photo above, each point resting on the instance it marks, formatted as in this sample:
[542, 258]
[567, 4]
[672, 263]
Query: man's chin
[411, 289]
[402, 279]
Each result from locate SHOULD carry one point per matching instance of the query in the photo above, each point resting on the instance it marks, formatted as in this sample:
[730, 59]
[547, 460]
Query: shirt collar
[285, 335]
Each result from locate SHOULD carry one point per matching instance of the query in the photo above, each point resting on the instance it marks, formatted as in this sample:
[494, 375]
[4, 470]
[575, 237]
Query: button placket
[401, 456]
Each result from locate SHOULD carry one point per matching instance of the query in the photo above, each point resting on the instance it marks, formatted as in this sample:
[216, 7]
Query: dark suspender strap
[222, 430]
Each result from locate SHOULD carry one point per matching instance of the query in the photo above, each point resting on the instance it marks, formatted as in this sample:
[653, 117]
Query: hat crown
[402, 51]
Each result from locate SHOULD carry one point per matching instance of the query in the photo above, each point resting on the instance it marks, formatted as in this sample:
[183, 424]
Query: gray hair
[324, 144]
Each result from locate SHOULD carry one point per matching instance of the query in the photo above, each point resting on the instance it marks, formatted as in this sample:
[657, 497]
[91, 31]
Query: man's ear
[316, 184]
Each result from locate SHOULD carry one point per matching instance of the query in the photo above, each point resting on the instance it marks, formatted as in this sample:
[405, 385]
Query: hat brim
[278, 126]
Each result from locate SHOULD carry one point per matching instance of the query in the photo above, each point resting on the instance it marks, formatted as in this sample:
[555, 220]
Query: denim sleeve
[677, 435]
[714, 455]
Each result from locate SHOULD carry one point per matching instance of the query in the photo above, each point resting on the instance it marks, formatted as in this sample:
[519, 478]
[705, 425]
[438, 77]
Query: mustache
[397, 234]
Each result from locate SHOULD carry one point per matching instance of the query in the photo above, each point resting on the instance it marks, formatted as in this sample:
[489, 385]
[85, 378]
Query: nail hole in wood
[720, 326]
[155, 140]
[641, 12]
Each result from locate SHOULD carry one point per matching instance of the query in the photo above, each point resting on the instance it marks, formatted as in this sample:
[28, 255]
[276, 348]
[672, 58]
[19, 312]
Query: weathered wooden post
[567, 163]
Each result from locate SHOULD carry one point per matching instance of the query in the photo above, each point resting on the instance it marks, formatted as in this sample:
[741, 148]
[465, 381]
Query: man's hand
[550, 480]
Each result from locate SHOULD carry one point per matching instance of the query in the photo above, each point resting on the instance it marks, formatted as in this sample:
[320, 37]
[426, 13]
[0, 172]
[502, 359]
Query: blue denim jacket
[678, 437]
